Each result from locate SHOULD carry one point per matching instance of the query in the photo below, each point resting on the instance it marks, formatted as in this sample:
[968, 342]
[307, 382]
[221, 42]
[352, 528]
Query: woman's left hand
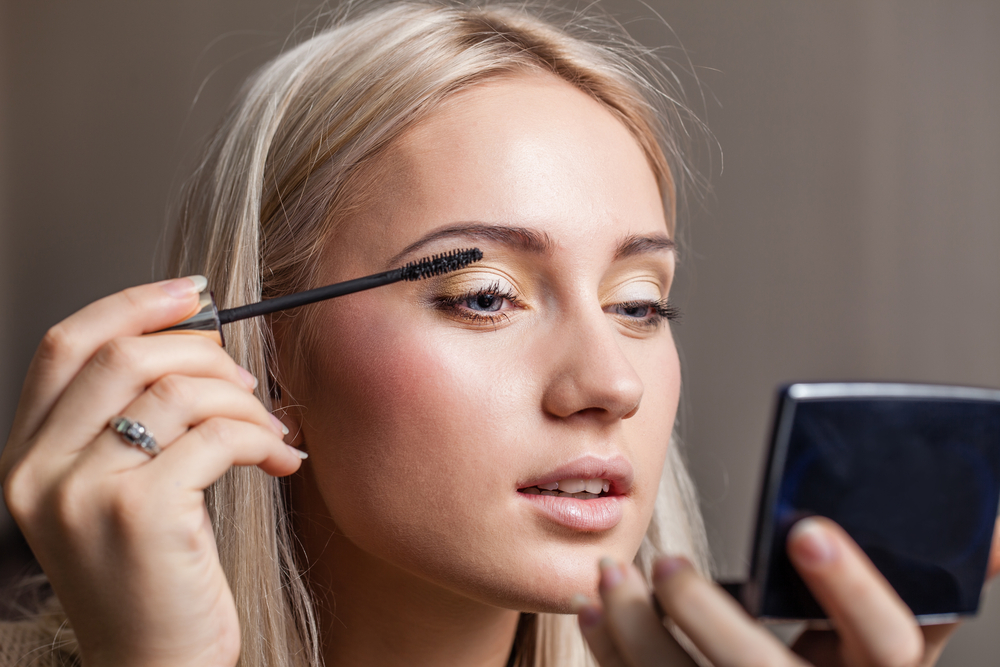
[873, 625]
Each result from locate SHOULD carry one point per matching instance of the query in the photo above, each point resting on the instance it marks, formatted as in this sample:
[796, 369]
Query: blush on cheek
[401, 423]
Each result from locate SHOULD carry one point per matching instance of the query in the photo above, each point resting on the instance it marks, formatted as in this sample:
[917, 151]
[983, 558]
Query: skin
[421, 425]
[557, 375]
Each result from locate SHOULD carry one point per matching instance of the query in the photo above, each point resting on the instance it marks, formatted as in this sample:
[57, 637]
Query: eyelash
[662, 310]
[453, 303]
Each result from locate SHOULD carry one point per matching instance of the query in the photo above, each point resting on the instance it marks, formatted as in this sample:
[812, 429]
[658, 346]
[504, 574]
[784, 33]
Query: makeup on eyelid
[483, 301]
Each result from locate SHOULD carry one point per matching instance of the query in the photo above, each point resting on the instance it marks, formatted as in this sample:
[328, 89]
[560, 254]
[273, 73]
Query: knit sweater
[25, 644]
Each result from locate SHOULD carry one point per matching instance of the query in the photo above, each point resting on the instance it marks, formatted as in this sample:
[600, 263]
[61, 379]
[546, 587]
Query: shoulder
[26, 644]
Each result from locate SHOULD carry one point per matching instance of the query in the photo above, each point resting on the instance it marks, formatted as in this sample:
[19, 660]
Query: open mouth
[582, 489]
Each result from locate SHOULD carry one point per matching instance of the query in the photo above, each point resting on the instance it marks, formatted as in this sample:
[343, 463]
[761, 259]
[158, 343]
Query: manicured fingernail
[668, 566]
[248, 378]
[298, 452]
[280, 427]
[590, 616]
[812, 544]
[611, 573]
[181, 288]
[578, 602]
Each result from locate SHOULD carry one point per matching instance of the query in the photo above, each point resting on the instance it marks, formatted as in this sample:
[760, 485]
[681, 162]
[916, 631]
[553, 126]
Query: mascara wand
[209, 319]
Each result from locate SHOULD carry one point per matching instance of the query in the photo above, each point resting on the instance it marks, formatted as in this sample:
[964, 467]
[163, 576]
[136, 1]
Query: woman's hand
[874, 626]
[125, 538]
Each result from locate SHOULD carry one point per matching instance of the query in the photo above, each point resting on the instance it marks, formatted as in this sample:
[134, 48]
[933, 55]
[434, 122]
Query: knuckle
[116, 355]
[127, 503]
[173, 390]
[218, 431]
[132, 296]
[19, 492]
[57, 343]
[69, 495]
[905, 651]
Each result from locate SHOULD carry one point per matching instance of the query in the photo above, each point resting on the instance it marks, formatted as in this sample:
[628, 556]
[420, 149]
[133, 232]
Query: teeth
[572, 485]
[578, 488]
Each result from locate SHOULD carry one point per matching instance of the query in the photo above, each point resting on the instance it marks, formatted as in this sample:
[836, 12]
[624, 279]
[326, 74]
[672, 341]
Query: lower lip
[592, 515]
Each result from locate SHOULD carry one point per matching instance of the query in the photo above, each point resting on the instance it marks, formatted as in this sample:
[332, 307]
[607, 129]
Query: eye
[484, 302]
[644, 313]
[488, 304]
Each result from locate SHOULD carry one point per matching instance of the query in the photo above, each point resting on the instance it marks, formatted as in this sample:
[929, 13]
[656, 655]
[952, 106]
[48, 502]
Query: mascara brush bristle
[437, 265]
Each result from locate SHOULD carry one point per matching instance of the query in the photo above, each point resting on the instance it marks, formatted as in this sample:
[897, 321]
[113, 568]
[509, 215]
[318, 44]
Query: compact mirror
[910, 471]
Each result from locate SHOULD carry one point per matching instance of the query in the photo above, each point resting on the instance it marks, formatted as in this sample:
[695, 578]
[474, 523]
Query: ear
[287, 410]
[283, 406]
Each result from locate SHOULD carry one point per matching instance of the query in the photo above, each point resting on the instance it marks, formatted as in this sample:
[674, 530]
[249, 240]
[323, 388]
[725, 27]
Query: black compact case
[911, 472]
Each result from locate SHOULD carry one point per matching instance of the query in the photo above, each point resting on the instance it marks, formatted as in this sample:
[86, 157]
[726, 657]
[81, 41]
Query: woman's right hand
[125, 538]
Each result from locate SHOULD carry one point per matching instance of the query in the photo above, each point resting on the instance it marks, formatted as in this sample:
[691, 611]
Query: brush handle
[309, 296]
[204, 321]
[208, 319]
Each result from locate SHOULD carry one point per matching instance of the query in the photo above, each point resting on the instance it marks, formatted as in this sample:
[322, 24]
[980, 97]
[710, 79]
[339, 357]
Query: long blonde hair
[298, 152]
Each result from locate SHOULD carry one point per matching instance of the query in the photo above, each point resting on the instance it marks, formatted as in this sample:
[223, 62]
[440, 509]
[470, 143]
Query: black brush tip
[437, 265]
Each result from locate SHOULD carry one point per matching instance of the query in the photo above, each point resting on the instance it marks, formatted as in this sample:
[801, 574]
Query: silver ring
[136, 435]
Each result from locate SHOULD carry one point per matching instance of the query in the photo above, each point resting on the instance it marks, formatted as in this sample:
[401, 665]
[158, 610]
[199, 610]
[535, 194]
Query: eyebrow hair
[520, 238]
[640, 245]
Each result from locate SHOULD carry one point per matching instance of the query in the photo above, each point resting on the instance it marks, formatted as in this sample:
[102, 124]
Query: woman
[438, 416]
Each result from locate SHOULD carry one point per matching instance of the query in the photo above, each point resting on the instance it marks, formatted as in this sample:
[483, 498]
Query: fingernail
[298, 452]
[248, 378]
[181, 288]
[611, 573]
[812, 544]
[578, 602]
[590, 616]
[668, 566]
[278, 425]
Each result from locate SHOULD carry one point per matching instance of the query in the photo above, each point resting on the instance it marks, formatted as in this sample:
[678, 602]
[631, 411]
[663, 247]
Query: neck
[371, 612]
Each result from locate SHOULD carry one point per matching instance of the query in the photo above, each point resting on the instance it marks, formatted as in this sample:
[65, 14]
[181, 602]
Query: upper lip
[616, 469]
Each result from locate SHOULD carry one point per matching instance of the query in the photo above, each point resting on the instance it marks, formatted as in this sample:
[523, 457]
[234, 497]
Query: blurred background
[852, 230]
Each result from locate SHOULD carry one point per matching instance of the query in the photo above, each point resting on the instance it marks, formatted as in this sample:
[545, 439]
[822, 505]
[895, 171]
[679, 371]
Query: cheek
[402, 422]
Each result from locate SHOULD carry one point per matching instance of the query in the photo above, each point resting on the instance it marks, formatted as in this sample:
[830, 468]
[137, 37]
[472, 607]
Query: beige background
[853, 232]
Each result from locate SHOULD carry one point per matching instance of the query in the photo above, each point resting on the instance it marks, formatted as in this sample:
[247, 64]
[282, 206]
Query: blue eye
[636, 310]
[485, 302]
[484, 305]
[645, 313]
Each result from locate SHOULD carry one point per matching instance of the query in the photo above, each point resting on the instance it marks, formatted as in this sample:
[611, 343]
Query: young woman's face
[439, 415]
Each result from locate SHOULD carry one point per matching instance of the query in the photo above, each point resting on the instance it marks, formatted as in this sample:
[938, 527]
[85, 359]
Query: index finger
[68, 345]
[874, 624]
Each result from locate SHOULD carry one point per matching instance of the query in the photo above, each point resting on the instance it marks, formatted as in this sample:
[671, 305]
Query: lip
[594, 514]
[616, 469]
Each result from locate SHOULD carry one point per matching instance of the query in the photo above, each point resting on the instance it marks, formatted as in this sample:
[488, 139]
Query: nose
[590, 374]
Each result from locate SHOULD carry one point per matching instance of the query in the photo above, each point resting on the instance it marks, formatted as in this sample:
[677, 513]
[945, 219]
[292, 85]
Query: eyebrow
[640, 245]
[519, 238]
[531, 240]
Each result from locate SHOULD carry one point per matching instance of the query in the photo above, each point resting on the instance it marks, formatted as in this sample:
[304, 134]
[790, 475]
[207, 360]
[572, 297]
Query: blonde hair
[300, 151]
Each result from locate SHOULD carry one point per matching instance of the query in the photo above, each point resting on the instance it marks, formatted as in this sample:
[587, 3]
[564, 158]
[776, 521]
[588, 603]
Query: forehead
[529, 150]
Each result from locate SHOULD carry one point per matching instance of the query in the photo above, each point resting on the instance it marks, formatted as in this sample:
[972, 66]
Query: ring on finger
[135, 434]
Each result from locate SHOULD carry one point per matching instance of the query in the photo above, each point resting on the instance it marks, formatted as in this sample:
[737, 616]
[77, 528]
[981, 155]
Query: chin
[545, 579]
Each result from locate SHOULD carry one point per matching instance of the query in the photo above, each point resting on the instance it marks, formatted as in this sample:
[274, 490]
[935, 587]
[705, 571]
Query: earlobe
[292, 421]
[288, 416]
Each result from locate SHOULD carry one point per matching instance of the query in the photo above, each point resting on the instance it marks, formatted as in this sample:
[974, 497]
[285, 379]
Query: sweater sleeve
[24, 644]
